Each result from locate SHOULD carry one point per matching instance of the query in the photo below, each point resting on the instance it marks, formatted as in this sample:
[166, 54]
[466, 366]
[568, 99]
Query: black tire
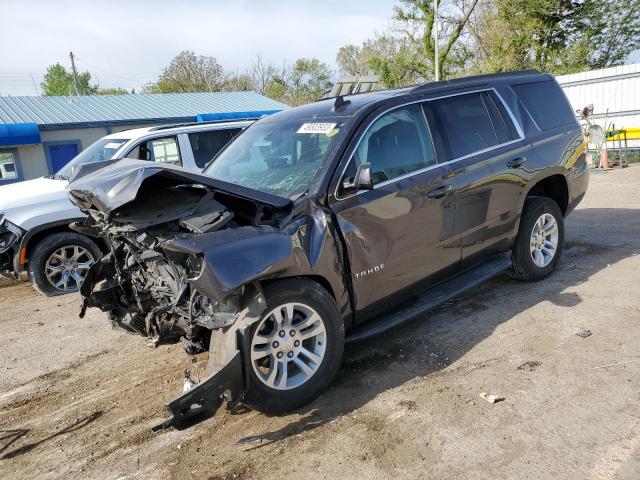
[523, 266]
[272, 401]
[43, 250]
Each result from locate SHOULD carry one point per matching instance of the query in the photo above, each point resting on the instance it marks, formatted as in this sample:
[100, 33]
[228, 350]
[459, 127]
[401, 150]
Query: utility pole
[75, 73]
[437, 48]
[34, 85]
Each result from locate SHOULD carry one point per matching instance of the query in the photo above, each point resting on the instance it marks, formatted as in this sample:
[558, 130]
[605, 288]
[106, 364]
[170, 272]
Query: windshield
[103, 149]
[281, 158]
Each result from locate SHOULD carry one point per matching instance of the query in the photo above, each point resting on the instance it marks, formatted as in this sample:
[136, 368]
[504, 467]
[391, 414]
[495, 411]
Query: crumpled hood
[112, 187]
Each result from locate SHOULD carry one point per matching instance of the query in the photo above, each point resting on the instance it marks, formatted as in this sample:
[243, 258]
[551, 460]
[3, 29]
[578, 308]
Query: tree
[262, 74]
[237, 82]
[309, 80]
[189, 72]
[609, 31]
[555, 36]
[59, 82]
[407, 54]
[306, 81]
[112, 91]
[352, 60]
[415, 19]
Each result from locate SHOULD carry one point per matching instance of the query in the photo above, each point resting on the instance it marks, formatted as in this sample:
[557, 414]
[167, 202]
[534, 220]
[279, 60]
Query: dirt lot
[77, 400]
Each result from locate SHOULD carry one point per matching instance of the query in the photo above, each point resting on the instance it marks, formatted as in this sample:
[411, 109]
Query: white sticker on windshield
[317, 128]
[112, 145]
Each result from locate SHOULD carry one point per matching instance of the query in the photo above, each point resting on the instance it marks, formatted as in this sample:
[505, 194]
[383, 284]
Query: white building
[614, 93]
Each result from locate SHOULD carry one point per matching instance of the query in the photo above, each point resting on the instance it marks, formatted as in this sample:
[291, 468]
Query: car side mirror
[361, 181]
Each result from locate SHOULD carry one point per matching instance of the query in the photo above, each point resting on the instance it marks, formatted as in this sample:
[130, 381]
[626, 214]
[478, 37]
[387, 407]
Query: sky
[128, 43]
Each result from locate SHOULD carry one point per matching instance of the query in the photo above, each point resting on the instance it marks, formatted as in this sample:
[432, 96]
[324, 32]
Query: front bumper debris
[6, 266]
[203, 399]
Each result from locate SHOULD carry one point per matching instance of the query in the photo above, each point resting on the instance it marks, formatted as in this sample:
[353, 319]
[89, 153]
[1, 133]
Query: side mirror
[361, 181]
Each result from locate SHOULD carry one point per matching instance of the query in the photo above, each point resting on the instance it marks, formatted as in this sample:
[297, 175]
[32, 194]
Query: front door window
[162, 150]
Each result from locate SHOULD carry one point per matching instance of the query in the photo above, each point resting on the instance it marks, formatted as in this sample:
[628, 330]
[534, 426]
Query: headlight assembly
[9, 234]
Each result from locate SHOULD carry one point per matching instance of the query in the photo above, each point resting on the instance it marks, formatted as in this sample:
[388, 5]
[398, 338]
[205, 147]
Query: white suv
[35, 214]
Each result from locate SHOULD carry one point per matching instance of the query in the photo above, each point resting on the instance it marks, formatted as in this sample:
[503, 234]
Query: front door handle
[516, 162]
[440, 191]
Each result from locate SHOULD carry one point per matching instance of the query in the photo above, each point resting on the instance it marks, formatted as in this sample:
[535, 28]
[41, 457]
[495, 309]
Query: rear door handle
[440, 191]
[516, 162]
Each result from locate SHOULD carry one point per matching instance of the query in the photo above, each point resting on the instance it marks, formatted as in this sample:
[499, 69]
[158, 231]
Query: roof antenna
[340, 103]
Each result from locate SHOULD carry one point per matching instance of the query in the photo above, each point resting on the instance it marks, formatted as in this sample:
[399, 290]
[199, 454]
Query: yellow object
[632, 134]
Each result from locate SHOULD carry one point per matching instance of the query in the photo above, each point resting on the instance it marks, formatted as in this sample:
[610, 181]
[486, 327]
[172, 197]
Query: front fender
[234, 257]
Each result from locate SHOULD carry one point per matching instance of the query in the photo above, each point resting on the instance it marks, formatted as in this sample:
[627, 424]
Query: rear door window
[546, 103]
[206, 145]
[462, 123]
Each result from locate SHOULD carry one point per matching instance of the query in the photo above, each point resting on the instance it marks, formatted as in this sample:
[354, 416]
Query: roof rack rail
[208, 122]
[477, 78]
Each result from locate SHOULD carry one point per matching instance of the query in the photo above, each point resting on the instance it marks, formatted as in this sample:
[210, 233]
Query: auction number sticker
[317, 128]
[112, 146]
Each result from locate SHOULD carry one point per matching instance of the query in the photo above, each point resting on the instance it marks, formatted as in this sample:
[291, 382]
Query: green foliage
[189, 72]
[309, 79]
[407, 54]
[483, 36]
[111, 91]
[238, 82]
[608, 29]
[390, 57]
[556, 36]
[59, 82]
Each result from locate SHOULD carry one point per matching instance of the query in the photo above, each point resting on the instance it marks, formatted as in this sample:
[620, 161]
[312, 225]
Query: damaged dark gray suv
[329, 222]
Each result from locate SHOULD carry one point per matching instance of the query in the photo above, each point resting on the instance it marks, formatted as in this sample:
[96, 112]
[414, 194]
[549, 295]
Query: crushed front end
[156, 280]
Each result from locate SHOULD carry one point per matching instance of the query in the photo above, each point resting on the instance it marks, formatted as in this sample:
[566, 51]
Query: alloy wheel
[288, 346]
[67, 267]
[544, 240]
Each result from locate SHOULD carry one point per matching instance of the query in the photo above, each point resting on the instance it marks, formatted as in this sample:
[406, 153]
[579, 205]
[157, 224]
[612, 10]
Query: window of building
[9, 170]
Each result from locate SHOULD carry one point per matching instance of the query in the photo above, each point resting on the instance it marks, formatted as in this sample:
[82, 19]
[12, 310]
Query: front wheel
[538, 246]
[60, 261]
[296, 348]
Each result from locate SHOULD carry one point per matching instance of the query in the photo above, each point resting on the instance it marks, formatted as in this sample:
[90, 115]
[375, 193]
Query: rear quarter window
[546, 103]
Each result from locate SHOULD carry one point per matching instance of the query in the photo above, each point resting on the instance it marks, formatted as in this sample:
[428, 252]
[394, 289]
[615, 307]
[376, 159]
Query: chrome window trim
[430, 167]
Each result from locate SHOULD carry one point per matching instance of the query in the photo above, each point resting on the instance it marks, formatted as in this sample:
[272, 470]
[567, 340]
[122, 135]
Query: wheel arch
[37, 234]
[554, 186]
[345, 311]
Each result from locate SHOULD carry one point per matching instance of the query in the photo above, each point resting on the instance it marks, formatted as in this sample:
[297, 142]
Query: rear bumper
[578, 183]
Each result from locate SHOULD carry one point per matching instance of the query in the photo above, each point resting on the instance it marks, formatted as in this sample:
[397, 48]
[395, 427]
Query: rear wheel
[59, 262]
[296, 348]
[538, 246]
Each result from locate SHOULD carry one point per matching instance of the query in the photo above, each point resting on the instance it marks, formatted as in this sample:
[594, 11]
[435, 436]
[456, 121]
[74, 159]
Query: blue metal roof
[51, 112]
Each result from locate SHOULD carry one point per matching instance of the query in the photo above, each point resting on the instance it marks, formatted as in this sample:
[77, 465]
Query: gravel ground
[77, 400]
